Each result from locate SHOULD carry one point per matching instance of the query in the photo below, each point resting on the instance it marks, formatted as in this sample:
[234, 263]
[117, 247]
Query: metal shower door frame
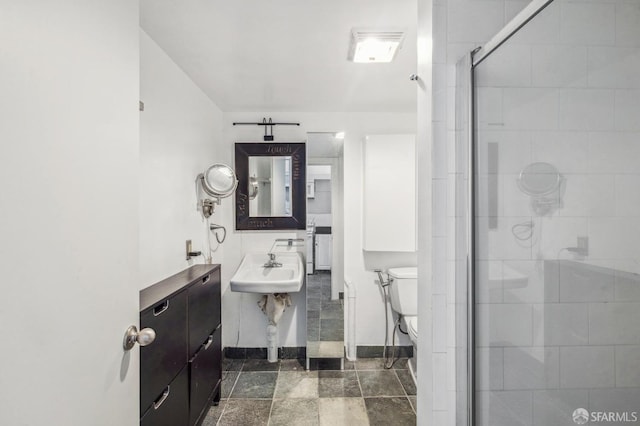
[476, 57]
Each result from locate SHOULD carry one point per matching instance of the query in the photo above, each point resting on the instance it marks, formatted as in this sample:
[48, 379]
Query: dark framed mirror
[271, 191]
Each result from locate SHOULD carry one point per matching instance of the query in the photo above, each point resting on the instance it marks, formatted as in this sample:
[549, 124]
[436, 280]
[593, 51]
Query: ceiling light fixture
[369, 46]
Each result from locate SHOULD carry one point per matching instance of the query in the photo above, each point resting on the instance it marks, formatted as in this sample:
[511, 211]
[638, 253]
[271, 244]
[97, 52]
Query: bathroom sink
[253, 277]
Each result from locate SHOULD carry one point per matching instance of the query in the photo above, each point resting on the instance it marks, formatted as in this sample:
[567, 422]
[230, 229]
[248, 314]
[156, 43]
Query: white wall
[245, 324]
[69, 228]
[180, 136]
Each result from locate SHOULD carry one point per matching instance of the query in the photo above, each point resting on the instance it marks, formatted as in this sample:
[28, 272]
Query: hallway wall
[180, 136]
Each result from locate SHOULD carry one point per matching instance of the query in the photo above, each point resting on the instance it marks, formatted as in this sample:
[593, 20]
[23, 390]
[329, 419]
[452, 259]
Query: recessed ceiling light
[369, 46]
[339, 135]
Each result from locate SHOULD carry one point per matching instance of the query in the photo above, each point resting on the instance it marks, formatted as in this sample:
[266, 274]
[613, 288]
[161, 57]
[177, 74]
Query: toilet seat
[412, 327]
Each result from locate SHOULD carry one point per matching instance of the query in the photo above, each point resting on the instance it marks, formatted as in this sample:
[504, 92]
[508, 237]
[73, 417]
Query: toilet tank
[403, 290]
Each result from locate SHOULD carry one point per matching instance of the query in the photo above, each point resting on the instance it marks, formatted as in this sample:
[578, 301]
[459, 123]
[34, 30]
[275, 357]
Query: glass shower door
[557, 220]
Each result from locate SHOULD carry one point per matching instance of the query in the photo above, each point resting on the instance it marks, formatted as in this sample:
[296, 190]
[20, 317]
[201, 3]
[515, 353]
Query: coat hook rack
[268, 127]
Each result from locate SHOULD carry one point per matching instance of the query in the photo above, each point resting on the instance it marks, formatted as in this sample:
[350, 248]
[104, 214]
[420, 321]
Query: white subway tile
[627, 195]
[505, 325]
[509, 66]
[531, 368]
[555, 407]
[589, 195]
[558, 66]
[587, 367]
[505, 408]
[439, 199]
[451, 108]
[587, 23]
[614, 238]
[614, 323]
[439, 150]
[627, 110]
[513, 202]
[524, 282]
[614, 67]
[440, 108]
[451, 373]
[439, 35]
[489, 108]
[440, 381]
[561, 324]
[583, 285]
[568, 151]
[490, 368]
[613, 153]
[627, 285]
[439, 275]
[586, 109]
[530, 108]
[465, 25]
[439, 312]
[628, 366]
[616, 400]
[628, 24]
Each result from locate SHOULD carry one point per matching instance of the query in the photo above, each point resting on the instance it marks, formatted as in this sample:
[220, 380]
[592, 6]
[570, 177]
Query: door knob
[144, 337]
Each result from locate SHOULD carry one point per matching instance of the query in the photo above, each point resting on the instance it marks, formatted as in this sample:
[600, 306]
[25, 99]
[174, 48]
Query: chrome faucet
[272, 256]
[272, 261]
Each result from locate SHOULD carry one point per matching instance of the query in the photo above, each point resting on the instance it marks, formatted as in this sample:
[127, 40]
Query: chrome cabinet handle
[144, 337]
[163, 398]
[161, 308]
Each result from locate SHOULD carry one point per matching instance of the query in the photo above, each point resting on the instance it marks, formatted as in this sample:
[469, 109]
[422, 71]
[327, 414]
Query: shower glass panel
[557, 220]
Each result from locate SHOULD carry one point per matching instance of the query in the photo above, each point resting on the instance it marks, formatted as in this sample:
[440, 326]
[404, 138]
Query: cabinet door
[171, 406]
[323, 252]
[204, 309]
[161, 361]
[205, 373]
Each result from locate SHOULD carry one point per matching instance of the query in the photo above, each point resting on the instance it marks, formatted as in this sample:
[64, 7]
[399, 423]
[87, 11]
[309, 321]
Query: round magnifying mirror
[538, 179]
[219, 180]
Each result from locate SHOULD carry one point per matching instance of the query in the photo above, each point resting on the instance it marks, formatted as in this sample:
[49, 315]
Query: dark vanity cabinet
[181, 371]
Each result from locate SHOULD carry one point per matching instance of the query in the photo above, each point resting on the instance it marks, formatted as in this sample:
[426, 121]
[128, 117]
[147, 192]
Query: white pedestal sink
[253, 277]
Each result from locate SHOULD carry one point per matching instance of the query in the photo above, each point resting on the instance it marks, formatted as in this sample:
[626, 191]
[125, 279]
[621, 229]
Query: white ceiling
[286, 55]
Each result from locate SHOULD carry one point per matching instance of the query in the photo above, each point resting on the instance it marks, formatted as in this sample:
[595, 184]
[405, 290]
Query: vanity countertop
[172, 285]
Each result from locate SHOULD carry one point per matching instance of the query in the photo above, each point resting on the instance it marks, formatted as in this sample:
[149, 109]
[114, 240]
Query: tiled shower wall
[458, 27]
[565, 90]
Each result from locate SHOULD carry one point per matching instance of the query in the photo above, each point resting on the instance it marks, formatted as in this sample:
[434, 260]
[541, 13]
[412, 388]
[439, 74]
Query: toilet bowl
[404, 300]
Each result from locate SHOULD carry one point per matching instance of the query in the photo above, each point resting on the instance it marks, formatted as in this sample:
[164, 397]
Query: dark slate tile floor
[255, 392]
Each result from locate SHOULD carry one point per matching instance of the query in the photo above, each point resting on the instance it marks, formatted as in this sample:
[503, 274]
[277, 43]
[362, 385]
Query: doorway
[325, 310]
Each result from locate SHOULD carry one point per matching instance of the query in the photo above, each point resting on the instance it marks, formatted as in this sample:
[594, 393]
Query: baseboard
[300, 352]
[377, 351]
[287, 352]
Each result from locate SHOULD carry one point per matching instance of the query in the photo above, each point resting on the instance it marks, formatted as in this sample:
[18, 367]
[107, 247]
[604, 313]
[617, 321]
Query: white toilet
[404, 300]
